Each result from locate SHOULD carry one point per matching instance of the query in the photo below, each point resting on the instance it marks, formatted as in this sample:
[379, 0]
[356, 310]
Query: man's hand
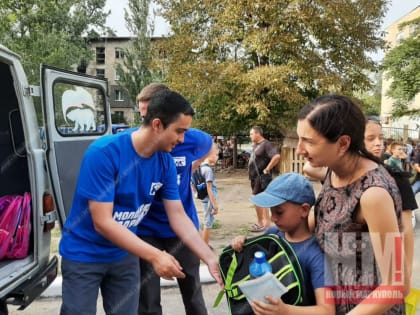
[213, 267]
[167, 267]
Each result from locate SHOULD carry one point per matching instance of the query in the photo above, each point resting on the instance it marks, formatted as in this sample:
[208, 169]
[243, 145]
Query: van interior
[14, 174]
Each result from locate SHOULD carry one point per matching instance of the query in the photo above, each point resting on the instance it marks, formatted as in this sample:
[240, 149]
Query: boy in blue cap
[290, 198]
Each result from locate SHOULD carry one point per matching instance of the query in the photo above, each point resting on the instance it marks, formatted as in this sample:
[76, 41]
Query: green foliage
[258, 62]
[135, 70]
[50, 32]
[370, 101]
[402, 66]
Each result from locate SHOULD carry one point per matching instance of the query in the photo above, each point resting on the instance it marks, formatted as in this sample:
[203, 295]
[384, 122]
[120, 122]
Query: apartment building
[394, 37]
[108, 52]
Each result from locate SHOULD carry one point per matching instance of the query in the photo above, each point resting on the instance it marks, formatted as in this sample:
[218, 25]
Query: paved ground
[235, 216]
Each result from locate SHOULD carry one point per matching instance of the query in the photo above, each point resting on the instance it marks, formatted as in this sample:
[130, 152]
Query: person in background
[373, 139]
[227, 154]
[290, 197]
[394, 161]
[155, 228]
[210, 206]
[358, 209]
[416, 168]
[264, 158]
[408, 149]
[387, 152]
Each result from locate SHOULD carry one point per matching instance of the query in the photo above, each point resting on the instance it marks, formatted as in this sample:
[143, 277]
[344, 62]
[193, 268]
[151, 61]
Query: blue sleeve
[201, 141]
[319, 270]
[170, 190]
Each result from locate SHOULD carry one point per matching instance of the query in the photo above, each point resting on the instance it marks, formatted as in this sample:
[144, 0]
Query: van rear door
[76, 112]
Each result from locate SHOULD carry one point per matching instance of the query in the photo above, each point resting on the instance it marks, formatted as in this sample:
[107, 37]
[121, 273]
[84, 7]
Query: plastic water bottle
[259, 265]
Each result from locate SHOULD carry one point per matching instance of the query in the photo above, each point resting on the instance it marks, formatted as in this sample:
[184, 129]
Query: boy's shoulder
[205, 167]
[308, 246]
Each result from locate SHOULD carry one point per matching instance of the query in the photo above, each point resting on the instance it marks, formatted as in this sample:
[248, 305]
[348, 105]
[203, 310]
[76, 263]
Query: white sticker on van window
[79, 107]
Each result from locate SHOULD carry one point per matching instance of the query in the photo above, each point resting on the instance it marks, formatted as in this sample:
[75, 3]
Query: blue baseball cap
[291, 187]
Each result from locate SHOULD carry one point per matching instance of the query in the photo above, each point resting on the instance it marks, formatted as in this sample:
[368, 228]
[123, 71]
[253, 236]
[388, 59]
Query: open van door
[76, 112]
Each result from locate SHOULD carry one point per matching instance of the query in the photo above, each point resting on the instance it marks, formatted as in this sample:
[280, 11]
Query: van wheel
[3, 308]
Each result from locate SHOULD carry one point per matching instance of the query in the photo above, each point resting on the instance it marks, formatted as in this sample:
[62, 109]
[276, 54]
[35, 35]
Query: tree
[53, 32]
[135, 70]
[258, 62]
[402, 66]
[370, 101]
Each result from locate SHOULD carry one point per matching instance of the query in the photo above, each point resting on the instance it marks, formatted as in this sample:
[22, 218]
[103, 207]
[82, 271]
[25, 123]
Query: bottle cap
[259, 256]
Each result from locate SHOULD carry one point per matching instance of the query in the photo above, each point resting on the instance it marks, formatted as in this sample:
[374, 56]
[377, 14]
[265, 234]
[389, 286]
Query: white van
[40, 153]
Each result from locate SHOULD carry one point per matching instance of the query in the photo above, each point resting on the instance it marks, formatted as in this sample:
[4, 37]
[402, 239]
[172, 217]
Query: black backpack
[286, 268]
[199, 183]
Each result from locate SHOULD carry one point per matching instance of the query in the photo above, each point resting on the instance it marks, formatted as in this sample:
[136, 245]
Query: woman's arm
[377, 211]
[407, 229]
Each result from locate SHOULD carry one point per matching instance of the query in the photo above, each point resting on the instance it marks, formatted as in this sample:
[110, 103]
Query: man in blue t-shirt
[155, 228]
[119, 178]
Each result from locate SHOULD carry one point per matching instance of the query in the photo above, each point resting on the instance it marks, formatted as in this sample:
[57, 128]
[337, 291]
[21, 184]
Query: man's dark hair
[258, 129]
[167, 105]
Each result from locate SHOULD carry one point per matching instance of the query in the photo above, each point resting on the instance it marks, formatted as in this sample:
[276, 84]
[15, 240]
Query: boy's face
[397, 151]
[288, 216]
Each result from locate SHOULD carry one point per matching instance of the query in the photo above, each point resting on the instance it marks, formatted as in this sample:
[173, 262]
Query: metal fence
[401, 134]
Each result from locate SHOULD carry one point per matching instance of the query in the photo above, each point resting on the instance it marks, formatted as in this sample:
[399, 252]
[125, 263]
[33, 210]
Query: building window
[400, 37]
[119, 53]
[100, 73]
[412, 29]
[100, 55]
[117, 75]
[118, 95]
[117, 117]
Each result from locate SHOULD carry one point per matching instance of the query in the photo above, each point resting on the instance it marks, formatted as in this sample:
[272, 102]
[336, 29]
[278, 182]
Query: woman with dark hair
[358, 211]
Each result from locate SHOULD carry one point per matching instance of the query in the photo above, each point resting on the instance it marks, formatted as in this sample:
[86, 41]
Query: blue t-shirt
[312, 262]
[196, 145]
[112, 171]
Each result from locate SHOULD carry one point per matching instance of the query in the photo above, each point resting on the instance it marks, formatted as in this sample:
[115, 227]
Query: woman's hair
[373, 119]
[334, 116]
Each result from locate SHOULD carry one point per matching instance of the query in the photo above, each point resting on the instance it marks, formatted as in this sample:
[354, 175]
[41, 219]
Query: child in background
[290, 198]
[394, 161]
[210, 206]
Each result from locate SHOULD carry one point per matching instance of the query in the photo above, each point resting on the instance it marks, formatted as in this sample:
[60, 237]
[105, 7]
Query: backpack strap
[299, 273]
[231, 289]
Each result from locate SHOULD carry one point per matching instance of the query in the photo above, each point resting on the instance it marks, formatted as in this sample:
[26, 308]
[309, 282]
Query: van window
[79, 110]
